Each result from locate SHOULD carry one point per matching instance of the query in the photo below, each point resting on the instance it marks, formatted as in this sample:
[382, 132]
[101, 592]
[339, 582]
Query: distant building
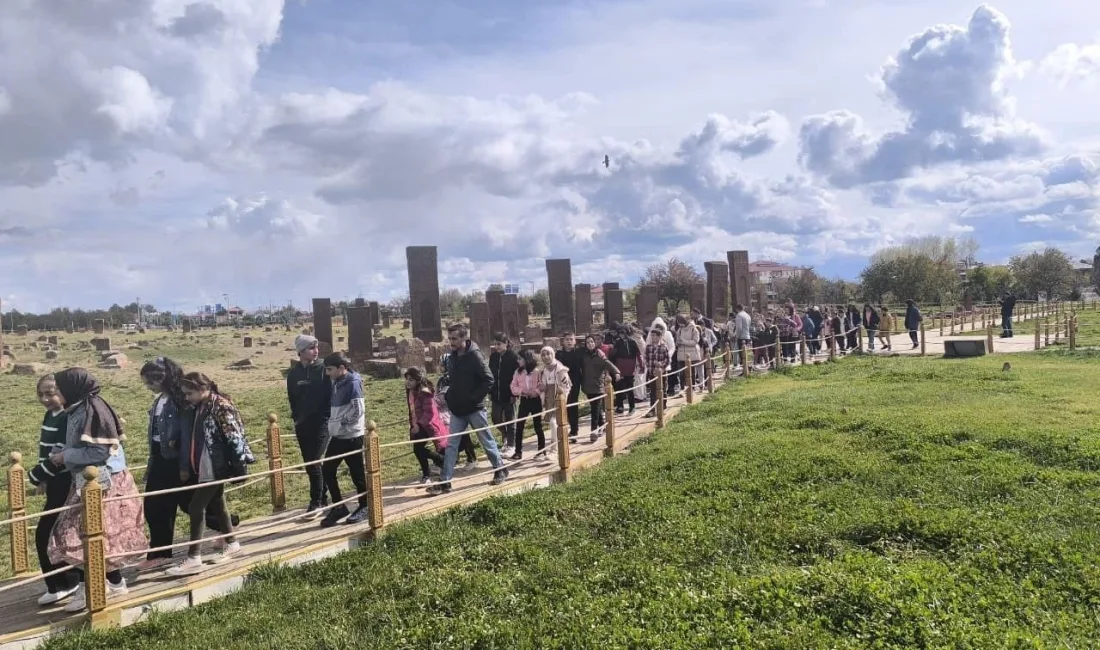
[767, 274]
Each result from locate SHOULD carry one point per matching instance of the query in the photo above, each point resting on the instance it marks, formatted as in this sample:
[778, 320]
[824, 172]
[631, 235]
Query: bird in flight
[607, 162]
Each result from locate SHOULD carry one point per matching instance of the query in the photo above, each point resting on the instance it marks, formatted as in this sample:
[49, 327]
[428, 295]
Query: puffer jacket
[595, 365]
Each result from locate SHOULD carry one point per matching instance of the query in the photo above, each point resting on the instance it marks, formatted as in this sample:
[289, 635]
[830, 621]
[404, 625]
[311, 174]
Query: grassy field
[874, 503]
[256, 392]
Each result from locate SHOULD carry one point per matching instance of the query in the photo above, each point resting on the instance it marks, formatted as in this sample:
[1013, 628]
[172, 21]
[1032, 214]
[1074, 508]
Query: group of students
[196, 439]
[822, 329]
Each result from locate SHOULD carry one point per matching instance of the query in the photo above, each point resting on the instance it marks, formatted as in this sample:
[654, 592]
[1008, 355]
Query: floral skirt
[124, 523]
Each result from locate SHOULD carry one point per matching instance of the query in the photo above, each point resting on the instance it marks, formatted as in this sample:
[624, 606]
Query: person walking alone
[913, 320]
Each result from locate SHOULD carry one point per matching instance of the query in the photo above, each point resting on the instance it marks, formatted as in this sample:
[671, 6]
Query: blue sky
[276, 150]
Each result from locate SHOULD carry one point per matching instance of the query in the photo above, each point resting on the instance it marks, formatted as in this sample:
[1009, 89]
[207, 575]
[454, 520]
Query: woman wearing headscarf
[93, 438]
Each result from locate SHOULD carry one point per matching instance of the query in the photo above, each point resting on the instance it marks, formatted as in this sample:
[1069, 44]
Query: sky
[266, 151]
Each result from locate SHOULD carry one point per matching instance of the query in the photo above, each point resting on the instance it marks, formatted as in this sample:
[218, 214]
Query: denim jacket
[169, 423]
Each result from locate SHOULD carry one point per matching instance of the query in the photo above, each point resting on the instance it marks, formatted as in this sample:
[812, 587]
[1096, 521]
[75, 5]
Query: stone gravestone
[322, 324]
[718, 291]
[387, 345]
[582, 295]
[385, 321]
[559, 276]
[98, 325]
[410, 354]
[187, 326]
[968, 302]
[423, 263]
[4, 348]
[524, 310]
[52, 340]
[22, 331]
[495, 299]
[532, 334]
[740, 278]
[406, 324]
[375, 315]
[646, 304]
[360, 302]
[101, 344]
[360, 339]
[479, 325]
[697, 296]
[612, 306]
[435, 358]
[247, 341]
[510, 311]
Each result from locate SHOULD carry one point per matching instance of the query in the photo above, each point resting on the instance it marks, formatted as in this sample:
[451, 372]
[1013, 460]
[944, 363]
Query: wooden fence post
[746, 363]
[689, 382]
[372, 457]
[1072, 333]
[923, 348]
[609, 413]
[989, 339]
[17, 507]
[952, 323]
[709, 366]
[660, 406]
[1038, 328]
[859, 334]
[95, 545]
[275, 464]
[802, 348]
[778, 353]
[562, 416]
[941, 325]
[729, 362]
[1046, 331]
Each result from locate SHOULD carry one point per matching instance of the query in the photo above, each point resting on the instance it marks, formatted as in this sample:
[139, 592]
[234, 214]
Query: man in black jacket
[471, 382]
[310, 393]
[572, 358]
[503, 362]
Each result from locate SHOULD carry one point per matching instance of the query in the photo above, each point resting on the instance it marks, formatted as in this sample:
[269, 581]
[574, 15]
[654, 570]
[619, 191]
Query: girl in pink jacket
[527, 388]
[425, 424]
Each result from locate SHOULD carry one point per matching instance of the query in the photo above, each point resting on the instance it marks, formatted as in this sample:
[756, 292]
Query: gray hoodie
[347, 412]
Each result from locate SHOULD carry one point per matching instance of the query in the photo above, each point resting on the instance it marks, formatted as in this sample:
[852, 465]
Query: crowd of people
[196, 436]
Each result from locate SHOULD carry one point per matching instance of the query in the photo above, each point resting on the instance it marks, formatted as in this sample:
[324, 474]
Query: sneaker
[334, 516]
[78, 603]
[119, 589]
[517, 456]
[573, 439]
[507, 449]
[153, 563]
[470, 466]
[632, 409]
[424, 480]
[227, 553]
[188, 567]
[618, 410]
[500, 477]
[51, 597]
[441, 488]
[314, 510]
[541, 456]
[358, 517]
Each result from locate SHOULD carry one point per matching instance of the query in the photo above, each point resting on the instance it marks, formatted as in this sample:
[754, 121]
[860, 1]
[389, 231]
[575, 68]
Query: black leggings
[425, 452]
[572, 409]
[625, 382]
[208, 500]
[330, 468]
[529, 407]
[595, 402]
[160, 509]
[57, 492]
[913, 336]
[312, 442]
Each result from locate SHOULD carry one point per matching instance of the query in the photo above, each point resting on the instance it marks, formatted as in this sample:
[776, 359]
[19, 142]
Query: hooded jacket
[309, 391]
[595, 363]
[503, 366]
[471, 381]
[670, 342]
[347, 417]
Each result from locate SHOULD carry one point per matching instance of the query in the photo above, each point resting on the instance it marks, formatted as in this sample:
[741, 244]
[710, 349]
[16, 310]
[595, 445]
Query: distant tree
[916, 276]
[801, 289]
[495, 287]
[400, 305]
[986, 283]
[540, 302]
[452, 301]
[1049, 272]
[673, 280]
[837, 292]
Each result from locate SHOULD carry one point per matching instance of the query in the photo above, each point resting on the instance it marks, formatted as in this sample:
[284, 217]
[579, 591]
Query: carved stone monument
[613, 306]
[410, 354]
[646, 304]
[583, 295]
[510, 310]
[479, 325]
[532, 334]
[360, 334]
[740, 278]
[423, 262]
[718, 291]
[375, 316]
[187, 326]
[98, 326]
[322, 324]
[524, 315]
[559, 277]
[495, 299]
[697, 296]
[247, 341]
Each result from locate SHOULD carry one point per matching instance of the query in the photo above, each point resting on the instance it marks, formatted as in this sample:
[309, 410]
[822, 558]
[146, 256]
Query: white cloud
[187, 149]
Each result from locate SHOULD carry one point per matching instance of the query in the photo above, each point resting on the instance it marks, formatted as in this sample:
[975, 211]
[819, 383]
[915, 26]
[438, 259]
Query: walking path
[288, 539]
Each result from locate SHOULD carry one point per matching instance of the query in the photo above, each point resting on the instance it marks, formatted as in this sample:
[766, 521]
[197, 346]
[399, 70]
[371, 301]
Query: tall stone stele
[322, 324]
[559, 280]
[718, 291]
[740, 277]
[583, 296]
[423, 264]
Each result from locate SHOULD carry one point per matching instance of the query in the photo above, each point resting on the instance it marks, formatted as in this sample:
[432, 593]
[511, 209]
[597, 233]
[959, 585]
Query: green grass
[873, 503]
[256, 393]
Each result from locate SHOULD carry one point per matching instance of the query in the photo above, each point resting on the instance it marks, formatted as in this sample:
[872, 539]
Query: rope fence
[692, 376]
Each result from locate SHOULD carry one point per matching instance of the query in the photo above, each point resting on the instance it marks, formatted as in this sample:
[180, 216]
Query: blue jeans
[459, 423]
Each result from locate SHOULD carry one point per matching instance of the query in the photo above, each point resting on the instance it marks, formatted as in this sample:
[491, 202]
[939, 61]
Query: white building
[766, 274]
